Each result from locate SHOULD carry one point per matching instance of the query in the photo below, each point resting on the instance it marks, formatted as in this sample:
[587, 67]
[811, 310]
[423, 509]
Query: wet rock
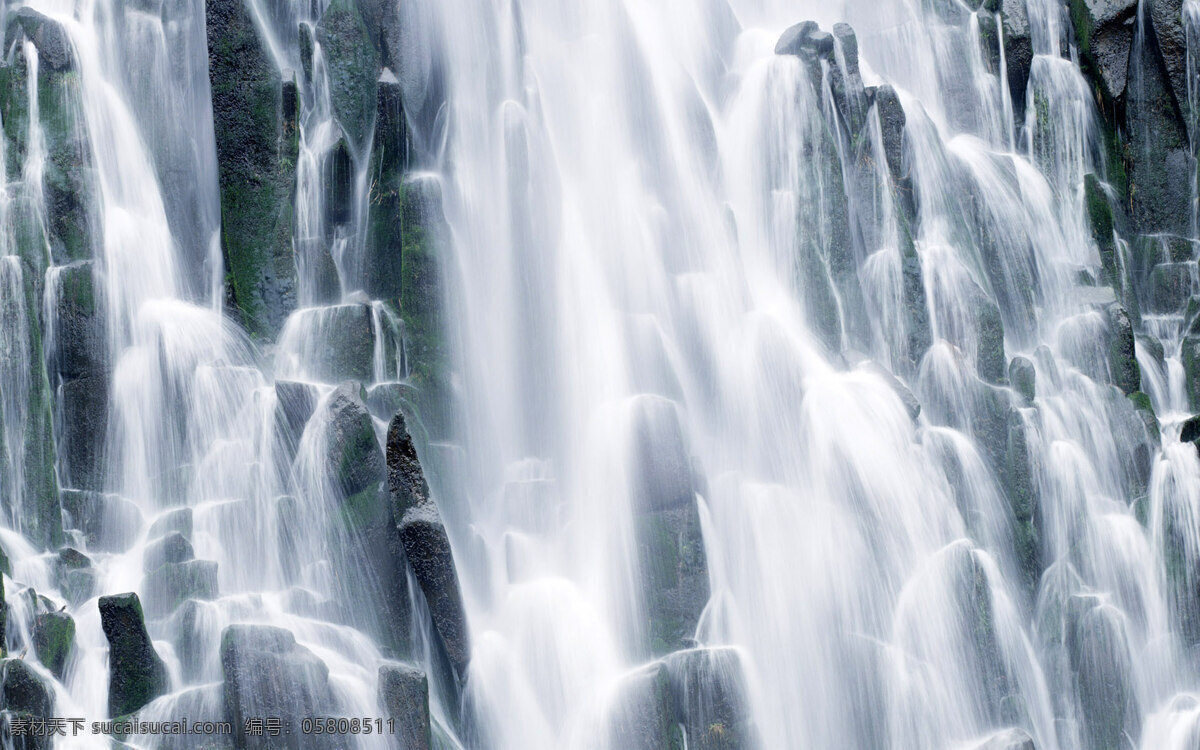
[343, 343]
[427, 547]
[353, 67]
[51, 39]
[1166, 19]
[1018, 53]
[1099, 657]
[383, 265]
[1022, 377]
[1169, 287]
[179, 520]
[136, 673]
[404, 693]
[1100, 220]
[990, 362]
[354, 455]
[108, 523]
[1190, 357]
[172, 583]
[1008, 739]
[171, 548]
[1122, 361]
[84, 405]
[406, 477]
[339, 185]
[709, 694]
[80, 344]
[268, 674]
[1161, 168]
[642, 716]
[53, 639]
[386, 399]
[846, 83]
[906, 396]
[1104, 35]
[256, 160]
[805, 39]
[1190, 433]
[306, 43]
[295, 402]
[891, 121]
[24, 691]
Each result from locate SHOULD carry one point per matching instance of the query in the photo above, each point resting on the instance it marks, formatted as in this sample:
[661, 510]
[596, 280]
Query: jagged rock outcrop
[137, 674]
[426, 544]
[256, 159]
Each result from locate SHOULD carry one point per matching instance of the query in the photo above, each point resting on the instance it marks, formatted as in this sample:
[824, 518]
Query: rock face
[268, 674]
[389, 159]
[256, 159]
[136, 673]
[1105, 34]
[54, 637]
[404, 692]
[1122, 360]
[23, 691]
[426, 544]
[353, 65]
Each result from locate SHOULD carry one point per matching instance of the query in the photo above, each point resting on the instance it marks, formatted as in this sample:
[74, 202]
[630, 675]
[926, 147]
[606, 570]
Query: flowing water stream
[689, 285]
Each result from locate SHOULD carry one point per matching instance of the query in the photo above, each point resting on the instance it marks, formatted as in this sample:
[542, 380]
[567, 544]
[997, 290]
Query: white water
[637, 209]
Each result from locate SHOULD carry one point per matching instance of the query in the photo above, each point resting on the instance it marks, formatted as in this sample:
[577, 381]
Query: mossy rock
[353, 66]
[53, 638]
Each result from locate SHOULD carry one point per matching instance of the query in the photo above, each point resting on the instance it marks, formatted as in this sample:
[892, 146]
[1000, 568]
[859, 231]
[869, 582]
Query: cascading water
[778, 384]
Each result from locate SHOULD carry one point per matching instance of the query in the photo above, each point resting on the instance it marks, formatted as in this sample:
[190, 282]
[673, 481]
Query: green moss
[1100, 219]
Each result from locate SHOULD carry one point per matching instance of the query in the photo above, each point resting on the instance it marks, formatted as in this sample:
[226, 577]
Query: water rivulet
[639, 374]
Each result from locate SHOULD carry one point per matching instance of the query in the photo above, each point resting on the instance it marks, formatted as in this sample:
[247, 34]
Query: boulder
[256, 162]
[172, 583]
[404, 693]
[53, 639]
[355, 459]
[1023, 377]
[295, 404]
[173, 547]
[24, 691]
[333, 344]
[353, 66]
[268, 674]
[406, 477]
[1122, 359]
[1104, 35]
[708, 691]
[427, 547]
[136, 673]
[1099, 657]
[805, 39]
[107, 522]
[53, 43]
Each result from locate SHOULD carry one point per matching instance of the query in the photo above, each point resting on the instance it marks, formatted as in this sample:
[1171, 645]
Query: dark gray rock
[1122, 360]
[1166, 19]
[339, 185]
[1018, 53]
[1021, 488]
[24, 691]
[805, 39]
[990, 362]
[80, 346]
[344, 343]
[1100, 220]
[406, 477]
[268, 674]
[404, 692]
[51, 39]
[353, 66]
[355, 458]
[170, 548]
[84, 405]
[1023, 377]
[256, 160]
[1104, 35]
[136, 673]
[53, 638]
[172, 583]
[1190, 357]
[1169, 287]
[710, 702]
[383, 271]
[108, 523]
[427, 547]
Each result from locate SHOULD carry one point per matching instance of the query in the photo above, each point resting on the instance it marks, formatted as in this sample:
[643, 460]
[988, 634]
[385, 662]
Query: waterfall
[603, 375]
